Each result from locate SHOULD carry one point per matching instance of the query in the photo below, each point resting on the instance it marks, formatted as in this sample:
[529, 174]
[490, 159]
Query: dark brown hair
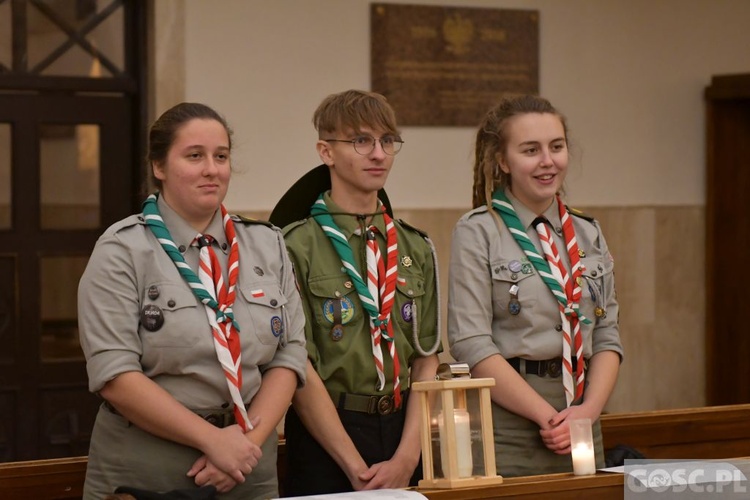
[162, 133]
[492, 139]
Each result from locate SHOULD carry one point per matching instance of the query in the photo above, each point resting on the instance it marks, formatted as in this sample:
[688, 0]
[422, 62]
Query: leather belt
[219, 419]
[382, 405]
[543, 368]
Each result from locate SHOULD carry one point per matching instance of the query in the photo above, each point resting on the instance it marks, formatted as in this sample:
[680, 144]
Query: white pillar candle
[584, 462]
[463, 443]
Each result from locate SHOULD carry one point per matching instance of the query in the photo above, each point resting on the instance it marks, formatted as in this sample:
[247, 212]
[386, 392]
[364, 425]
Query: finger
[246, 469]
[198, 466]
[237, 476]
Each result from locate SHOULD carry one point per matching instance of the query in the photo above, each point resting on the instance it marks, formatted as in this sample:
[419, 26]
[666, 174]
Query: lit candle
[463, 443]
[584, 462]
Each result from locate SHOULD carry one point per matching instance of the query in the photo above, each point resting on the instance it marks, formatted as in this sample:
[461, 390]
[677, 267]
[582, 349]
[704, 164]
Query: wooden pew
[60, 478]
[700, 433]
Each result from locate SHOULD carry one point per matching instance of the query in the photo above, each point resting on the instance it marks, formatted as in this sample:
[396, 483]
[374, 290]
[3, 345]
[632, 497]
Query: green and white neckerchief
[378, 293]
[217, 298]
[566, 288]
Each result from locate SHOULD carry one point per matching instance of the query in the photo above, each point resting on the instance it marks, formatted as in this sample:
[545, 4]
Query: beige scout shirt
[346, 365]
[128, 261]
[479, 321]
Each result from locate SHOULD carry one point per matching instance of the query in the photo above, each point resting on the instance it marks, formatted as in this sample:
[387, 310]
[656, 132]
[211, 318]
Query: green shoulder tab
[415, 229]
[294, 225]
[248, 220]
[578, 213]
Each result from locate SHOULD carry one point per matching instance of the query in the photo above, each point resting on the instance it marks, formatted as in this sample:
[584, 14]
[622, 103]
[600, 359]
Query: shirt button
[558, 327]
[337, 293]
[594, 274]
[181, 248]
[171, 303]
[274, 302]
[558, 230]
[223, 246]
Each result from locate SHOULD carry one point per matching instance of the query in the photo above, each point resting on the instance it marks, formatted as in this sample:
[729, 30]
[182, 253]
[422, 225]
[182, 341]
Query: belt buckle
[385, 405]
[554, 368]
[214, 419]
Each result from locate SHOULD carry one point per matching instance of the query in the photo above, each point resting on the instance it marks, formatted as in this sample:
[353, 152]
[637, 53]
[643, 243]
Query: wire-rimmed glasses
[365, 144]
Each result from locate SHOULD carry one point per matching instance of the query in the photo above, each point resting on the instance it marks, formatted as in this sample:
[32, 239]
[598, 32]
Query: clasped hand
[227, 460]
[556, 434]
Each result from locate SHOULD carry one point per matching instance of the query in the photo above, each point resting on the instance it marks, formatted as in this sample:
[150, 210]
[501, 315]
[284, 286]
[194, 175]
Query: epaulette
[294, 225]
[415, 229]
[248, 220]
[578, 213]
[132, 220]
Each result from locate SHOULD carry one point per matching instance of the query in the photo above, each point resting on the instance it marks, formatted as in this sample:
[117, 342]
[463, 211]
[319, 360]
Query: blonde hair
[492, 142]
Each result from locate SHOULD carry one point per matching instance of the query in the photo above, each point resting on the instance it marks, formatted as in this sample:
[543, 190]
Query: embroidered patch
[406, 312]
[257, 293]
[277, 326]
[347, 310]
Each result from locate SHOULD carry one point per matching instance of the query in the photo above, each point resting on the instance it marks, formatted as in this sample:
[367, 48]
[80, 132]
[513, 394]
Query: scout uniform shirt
[486, 261]
[337, 326]
[130, 272]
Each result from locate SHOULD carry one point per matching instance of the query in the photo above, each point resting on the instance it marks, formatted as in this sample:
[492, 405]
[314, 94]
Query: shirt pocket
[333, 301]
[597, 274]
[171, 316]
[503, 280]
[266, 306]
[409, 293]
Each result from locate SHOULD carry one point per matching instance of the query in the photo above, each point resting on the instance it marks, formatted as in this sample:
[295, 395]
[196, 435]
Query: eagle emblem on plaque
[458, 33]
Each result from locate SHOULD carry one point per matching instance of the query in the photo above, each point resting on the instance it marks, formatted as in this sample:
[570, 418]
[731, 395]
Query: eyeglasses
[365, 144]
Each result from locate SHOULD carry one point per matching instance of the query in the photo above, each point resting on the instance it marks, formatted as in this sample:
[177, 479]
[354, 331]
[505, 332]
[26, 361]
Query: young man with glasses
[370, 297]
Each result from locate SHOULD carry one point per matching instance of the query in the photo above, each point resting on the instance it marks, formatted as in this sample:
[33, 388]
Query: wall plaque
[448, 65]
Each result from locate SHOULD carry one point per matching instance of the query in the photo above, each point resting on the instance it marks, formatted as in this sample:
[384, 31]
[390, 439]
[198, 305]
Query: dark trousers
[311, 470]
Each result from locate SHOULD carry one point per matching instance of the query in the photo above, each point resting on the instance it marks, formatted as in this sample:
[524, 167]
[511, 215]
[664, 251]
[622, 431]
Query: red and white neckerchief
[381, 283]
[225, 332]
[573, 369]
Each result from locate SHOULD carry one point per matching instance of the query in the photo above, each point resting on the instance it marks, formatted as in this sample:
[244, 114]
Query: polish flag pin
[257, 293]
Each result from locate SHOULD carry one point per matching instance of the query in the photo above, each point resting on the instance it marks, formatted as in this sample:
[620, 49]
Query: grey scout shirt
[128, 261]
[479, 321]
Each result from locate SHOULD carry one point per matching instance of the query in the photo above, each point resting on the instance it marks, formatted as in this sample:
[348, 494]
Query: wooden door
[71, 169]
[728, 240]
[72, 107]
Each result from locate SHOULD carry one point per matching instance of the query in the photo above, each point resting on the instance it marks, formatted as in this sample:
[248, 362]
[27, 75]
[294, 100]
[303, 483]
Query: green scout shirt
[347, 365]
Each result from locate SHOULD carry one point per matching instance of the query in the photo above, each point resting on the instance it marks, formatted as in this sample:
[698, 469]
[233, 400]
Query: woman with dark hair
[192, 328]
[531, 291]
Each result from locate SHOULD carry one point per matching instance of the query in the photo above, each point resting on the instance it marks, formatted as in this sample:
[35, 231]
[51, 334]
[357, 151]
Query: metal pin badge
[514, 306]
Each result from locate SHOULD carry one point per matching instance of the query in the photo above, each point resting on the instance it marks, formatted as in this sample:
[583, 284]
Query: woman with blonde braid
[531, 291]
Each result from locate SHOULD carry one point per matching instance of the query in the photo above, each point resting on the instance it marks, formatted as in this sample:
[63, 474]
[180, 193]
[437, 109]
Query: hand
[388, 474]
[557, 436]
[233, 453]
[206, 473]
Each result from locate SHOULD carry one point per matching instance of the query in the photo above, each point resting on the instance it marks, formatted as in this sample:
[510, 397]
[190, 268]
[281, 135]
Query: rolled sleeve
[606, 335]
[469, 294]
[292, 355]
[108, 312]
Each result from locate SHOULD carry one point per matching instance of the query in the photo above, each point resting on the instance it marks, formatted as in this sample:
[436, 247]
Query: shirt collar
[348, 223]
[183, 234]
[526, 216]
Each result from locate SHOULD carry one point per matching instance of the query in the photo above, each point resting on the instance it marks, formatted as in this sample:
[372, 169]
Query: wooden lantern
[460, 451]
